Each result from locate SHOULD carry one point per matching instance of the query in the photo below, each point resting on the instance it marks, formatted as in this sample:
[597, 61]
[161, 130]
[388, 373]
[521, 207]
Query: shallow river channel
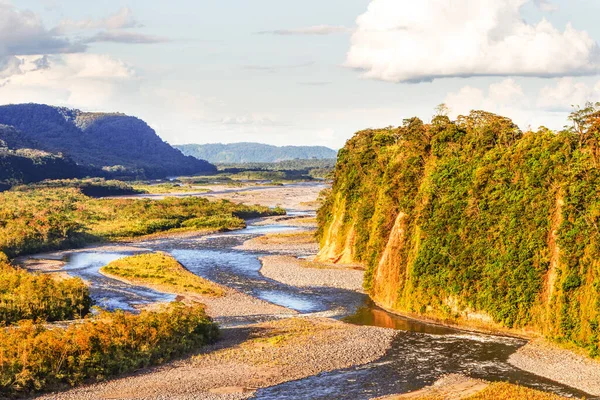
[420, 354]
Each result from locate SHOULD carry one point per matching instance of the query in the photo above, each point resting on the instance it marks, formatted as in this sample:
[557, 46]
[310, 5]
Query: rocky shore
[296, 243]
[303, 273]
[560, 365]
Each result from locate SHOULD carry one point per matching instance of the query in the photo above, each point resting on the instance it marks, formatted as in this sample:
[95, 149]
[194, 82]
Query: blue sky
[310, 72]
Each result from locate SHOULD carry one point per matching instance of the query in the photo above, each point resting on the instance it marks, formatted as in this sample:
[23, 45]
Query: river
[420, 354]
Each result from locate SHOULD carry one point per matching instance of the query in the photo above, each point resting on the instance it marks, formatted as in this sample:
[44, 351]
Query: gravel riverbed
[296, 272]
[560, 365]
[248, 358]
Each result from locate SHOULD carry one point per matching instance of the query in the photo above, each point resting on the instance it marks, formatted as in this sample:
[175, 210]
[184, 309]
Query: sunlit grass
[162, 272]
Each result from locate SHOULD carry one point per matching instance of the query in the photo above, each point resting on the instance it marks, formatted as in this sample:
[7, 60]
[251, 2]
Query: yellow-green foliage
[160, 271]
[94, 187]
[482, 200]
[29, 296]
[34, 358]
[165, 188]
[506, 391]
[37, 220]
[498, 391]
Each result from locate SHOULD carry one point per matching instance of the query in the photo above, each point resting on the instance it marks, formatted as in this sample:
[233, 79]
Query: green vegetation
[93, 187]
[26, 165]
[35, 358]
[291, 170]
[237, 153]
[165, 188]
[39, 297]
[48, 219]
[161, 272]
[477, 218]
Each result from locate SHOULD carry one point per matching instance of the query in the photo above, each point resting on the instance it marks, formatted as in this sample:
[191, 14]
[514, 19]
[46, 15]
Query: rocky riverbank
[560, 365]
[303, 273]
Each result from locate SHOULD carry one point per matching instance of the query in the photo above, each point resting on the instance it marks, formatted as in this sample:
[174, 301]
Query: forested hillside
[19, 163]
[254, 152]
[114, 144]
[473, 221]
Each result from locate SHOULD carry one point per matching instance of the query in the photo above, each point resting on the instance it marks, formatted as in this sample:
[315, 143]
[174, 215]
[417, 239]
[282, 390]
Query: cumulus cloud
[502, 98]
[122, 19]
[412, 41]
[78, 80]
[566, 94]
[549, 106]
[126, 37]
[310, 30]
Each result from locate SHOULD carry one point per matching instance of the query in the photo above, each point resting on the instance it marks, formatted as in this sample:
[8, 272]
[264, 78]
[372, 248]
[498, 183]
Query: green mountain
[114, 144]
[475, 222]
[237, 153]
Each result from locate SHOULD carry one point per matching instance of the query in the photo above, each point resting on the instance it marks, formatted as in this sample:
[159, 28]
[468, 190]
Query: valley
[304, 335]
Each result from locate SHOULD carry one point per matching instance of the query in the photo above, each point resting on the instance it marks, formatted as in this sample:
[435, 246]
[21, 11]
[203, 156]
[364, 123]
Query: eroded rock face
[113, 142]
[473, 222]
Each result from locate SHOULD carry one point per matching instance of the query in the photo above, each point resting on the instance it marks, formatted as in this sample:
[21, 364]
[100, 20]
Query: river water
[420, 354]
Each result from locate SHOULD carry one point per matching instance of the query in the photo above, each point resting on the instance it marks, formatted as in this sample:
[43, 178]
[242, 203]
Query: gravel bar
[294, 272]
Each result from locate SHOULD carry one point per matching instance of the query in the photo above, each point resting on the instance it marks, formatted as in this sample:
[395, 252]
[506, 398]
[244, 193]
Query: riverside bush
[46, 219]
[39, 297]
[35, 358]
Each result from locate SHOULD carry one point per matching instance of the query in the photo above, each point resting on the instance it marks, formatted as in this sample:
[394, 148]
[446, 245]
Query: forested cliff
[475, 222]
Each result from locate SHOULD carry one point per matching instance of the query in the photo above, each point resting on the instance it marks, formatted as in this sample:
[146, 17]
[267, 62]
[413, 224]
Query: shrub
[35, 358]
[30, 296]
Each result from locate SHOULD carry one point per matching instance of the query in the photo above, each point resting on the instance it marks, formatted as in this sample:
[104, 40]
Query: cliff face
[474, 222]
[112, 142]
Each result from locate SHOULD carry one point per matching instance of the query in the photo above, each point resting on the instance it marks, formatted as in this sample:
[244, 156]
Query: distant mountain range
[254, 152]
[95, 144]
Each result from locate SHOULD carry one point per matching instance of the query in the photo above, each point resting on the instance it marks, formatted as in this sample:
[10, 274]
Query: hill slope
[254, 152]
[20, 163]
[474, 222]
[113, 142]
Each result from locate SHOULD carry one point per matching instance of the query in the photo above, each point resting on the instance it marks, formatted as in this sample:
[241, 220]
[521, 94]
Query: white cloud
[410, 41]
[502, 98]
[122, 19]
[550, 106]
[23, 33]
[310, 30]
[77, 80]
[566, 94]
[126, 37]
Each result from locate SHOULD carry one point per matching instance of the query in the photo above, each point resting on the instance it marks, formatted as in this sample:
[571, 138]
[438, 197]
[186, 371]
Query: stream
[420, 354]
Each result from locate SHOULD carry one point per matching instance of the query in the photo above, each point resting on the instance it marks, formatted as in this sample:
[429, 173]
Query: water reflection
[371, 315]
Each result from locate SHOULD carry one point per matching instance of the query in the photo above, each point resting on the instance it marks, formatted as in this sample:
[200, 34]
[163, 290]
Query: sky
[300, 73]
